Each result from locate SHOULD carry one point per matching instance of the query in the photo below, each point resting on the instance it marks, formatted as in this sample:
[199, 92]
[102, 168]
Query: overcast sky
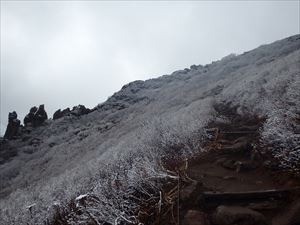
[67, 53]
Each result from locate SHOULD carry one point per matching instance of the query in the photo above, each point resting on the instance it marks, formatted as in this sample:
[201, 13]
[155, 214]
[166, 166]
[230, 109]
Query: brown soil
[233, 163]
[211, 174]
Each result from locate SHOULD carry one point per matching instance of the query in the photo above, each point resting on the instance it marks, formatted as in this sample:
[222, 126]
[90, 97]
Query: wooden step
[212, 198]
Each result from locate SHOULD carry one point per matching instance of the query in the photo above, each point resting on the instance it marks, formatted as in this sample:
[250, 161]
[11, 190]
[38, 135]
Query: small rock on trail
[229, 215]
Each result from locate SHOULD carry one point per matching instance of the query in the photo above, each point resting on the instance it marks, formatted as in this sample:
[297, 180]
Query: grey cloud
[68, 53]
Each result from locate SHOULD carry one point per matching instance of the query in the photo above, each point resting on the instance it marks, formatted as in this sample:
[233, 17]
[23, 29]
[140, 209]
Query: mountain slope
[117, 148]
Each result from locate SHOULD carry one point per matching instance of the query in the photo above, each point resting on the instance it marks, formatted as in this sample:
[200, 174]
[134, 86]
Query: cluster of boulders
[76, 111]
[13, 125]
[61, 113]
[35, 118]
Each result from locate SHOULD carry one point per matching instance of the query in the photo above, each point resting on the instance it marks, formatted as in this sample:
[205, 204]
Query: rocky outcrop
[36, 116]
[76, 111]
[80, 110]
[13, 126]
[130, 94]
[61, 113]
[57, 114]
[40, 116]
[29, 118]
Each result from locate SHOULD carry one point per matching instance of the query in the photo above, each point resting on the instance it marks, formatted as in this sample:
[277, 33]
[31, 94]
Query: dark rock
[35, 142]
[40, 116]
[229, 164]
[268, 205]
[29, 118]
[229, 215]
[13, 126]
[26, 138]
[58, 114]
[193, 67]
[291, 215]
[271, 165]
[220, 161]
[28, 150]
[195, 217]
[2, 141]
[229, 178]
[294, 215]
[255, 156]
[82, 135]
[61, 113]
[241, 147]
[66, 111]
[189, 193]
[35, 117]
[80, 110]
[76, 131]
[186, 70]
[52, 144]
[244, 166]
[137, 85]
[12, 116]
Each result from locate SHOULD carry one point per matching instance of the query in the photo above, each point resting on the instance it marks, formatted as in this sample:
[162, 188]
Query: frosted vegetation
[116, 151]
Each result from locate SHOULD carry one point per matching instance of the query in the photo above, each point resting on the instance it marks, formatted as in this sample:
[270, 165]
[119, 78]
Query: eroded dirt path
[232, 181]
[219, 174]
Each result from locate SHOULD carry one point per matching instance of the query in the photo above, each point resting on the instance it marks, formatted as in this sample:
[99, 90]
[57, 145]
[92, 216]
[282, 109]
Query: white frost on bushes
[81, 197]
[116, 150]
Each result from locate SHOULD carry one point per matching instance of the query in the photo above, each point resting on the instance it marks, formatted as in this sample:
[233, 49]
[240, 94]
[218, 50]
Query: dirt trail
[234, 164]
[211, 171]
[232, 181]
[211, 176]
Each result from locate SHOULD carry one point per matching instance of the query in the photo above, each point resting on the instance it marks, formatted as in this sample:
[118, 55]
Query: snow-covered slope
[117, 147]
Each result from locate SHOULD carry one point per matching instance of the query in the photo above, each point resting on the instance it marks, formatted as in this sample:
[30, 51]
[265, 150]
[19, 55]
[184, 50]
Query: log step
[212, 198]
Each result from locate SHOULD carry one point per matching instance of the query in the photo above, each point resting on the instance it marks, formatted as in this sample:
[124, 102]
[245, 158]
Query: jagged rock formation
[40, 116]
[76, 111]
[29, 118]
[80, 110]
[59, 114]
[36, 116]
[13, 126]
[114, 154]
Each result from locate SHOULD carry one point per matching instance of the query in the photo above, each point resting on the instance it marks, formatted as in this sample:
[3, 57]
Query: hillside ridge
[117, 148]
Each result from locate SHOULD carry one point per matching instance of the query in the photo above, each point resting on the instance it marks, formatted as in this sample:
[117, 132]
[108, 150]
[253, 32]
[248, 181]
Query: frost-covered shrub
[163, 118]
